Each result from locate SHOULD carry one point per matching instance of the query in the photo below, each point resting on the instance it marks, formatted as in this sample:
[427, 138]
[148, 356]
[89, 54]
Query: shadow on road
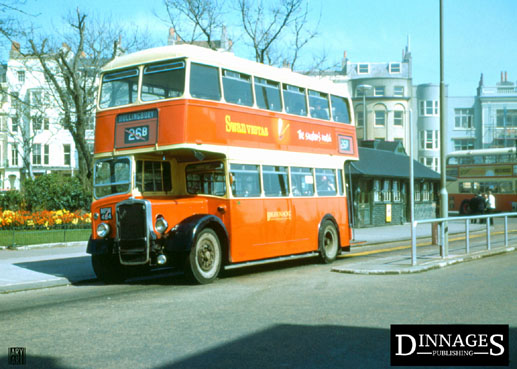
[299, 346]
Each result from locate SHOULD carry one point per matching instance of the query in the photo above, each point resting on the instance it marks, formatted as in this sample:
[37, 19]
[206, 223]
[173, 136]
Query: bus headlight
[103, 230]
[161, 225]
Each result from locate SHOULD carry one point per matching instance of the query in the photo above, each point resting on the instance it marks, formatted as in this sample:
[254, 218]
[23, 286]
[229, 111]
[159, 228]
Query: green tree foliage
[54, 192]
[11, 200]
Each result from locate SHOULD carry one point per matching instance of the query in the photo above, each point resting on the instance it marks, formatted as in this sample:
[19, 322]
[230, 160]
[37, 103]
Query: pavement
[376, 250]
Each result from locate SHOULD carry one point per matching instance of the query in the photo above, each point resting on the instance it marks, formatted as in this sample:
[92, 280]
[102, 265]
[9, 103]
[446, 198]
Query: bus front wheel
[465, 207]
[108, 269]
[204, 260]
[328, 242]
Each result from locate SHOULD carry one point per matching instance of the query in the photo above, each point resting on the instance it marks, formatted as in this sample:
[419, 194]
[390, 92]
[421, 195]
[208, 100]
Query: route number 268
[137, 134]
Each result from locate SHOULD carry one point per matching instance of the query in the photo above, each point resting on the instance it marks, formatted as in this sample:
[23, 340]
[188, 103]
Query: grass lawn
[24, 237]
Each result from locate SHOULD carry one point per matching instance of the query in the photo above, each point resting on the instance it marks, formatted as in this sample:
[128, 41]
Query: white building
[32, 138]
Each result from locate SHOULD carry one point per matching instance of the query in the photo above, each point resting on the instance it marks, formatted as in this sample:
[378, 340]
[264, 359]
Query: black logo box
[449, 345]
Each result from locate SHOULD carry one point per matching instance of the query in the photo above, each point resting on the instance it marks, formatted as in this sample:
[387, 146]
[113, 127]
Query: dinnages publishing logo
[450, 345]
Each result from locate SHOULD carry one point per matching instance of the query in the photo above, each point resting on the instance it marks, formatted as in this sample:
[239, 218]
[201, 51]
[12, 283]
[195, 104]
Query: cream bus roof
[225, 60]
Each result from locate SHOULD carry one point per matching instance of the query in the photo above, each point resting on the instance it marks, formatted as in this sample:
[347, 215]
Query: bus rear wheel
[108, 269]
[328, 242]
[204, 260]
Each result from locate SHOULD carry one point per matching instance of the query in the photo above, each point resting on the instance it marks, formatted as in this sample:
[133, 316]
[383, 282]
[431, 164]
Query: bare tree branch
[196, 20]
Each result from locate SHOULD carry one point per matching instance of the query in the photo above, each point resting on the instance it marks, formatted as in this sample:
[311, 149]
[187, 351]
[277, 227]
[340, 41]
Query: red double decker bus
[204, 160]
[480, 171]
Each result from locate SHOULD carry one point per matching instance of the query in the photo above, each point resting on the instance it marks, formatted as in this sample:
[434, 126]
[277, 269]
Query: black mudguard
[182, 237]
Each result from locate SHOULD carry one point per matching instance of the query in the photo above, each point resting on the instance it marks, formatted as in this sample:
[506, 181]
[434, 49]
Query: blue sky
[480, 36]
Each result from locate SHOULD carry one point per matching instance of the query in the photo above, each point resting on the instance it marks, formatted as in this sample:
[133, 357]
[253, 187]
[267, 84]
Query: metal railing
[443, 222]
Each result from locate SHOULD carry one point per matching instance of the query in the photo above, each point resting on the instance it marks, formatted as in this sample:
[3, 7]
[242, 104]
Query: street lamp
[363, 89]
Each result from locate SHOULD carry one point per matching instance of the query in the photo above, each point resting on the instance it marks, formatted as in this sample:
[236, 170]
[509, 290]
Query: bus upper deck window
[119, 88]
[340, 111]
[267, 94]
[319, 105]
[294, 99]
[237, 88]
[163, 81]
[204, 82]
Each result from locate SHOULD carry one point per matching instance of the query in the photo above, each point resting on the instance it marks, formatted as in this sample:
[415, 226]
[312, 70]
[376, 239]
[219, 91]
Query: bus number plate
[136, 134]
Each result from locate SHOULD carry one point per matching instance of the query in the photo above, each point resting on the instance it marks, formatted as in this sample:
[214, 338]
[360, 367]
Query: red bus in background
[479, 171]
[204, 160]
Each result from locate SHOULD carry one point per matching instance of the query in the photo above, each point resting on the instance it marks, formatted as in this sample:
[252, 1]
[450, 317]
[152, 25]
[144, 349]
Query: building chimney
[344, 63]
[506, 76]
[171, 39]
[15, 50]
[502, 76]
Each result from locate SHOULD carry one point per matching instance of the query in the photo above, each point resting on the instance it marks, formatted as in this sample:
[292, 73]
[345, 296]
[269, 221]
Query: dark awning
[381, 163]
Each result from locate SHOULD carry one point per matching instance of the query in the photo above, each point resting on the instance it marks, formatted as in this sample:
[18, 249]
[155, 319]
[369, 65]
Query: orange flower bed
[43, 219]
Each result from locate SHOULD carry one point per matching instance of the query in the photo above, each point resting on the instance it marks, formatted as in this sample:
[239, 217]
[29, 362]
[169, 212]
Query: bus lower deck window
[245, 180]
[302, 181]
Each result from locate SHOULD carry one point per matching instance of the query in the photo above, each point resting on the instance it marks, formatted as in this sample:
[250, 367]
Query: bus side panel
[246, 229]
[503, 202]
[267, 228]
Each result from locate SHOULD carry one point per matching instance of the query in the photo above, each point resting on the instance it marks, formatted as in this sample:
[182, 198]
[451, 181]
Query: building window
[360, 118]
[37, 123]
[463, 118]
[460, 145]
[364, 68]
[36, 154]
[425, 191]
[14, 155]
[506, 118]
[380, 118]
[379, 91]
[398, 118]
[432, 163]
[14, 124]
[417, 192]
[398, 91]
[36, 98]
[386, 191]
[394, 67]
[429, 140]
[21, 76]
[376, 190]
[67, 152]
[15, 101]
[396, 191]
[429, 107]
[46, 154]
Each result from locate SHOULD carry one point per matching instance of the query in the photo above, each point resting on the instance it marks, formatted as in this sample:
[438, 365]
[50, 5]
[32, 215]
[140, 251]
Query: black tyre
[204, 260]
[328, 242]
[465, 207]
[108, 269]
